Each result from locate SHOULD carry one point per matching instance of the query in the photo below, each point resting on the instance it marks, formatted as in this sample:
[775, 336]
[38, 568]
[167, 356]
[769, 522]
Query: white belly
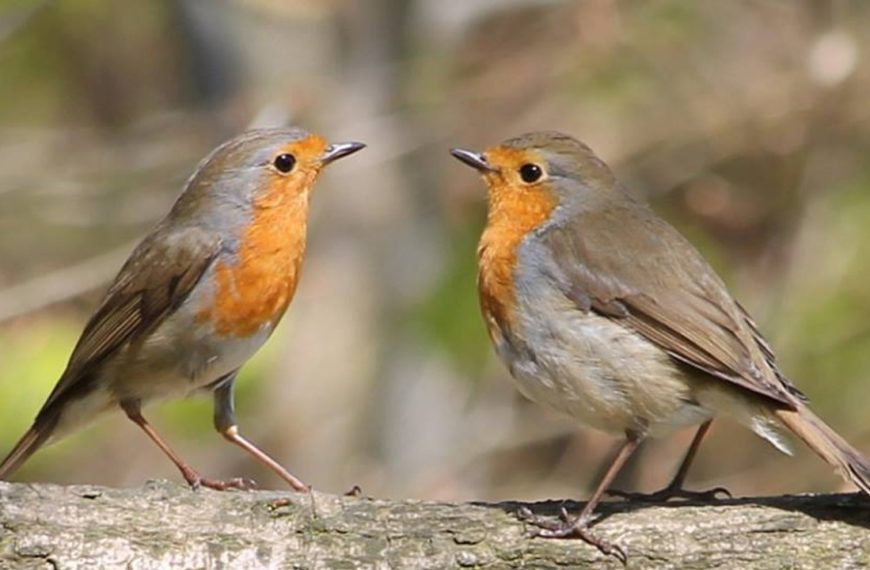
[597, 371]
[178, 358]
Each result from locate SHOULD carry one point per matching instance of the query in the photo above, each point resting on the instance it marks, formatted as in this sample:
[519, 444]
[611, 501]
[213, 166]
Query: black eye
[285, 162]
[530, 172]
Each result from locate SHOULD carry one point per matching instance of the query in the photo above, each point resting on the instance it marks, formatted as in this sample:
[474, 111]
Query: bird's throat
[253, 290]
[513, 214]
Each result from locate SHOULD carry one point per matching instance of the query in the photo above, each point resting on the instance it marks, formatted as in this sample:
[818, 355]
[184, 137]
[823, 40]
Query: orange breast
[255, 289]
[513, 213]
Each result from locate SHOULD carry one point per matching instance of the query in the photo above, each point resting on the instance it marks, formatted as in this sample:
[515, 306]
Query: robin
[604, 312]
[197, 297]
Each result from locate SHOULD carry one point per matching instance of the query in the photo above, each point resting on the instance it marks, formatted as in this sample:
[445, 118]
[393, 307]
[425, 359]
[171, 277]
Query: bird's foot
[195, 480]
[240, 483]
[673, 492]
[569, 527]
[278, 503]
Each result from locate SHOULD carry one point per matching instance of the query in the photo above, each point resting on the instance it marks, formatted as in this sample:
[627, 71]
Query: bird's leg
[225, 424]
[579, 526]
[675, 488]
[194, 479]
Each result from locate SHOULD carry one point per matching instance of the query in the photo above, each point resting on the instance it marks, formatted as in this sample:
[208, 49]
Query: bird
[197, 297]
[604, 312]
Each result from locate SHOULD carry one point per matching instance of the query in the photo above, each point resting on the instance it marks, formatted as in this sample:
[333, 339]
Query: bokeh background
[746, 123]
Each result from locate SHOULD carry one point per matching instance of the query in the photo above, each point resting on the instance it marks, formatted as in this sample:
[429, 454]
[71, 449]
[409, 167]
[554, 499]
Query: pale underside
[604, 375]
[173, 361]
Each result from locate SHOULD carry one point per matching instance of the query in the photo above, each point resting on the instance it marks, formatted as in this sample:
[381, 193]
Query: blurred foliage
[35, 352]
[464, 339]
[744, 122]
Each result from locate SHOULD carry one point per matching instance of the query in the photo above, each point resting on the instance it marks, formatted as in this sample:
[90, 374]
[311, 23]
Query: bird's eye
[531, 172]
[284, 162]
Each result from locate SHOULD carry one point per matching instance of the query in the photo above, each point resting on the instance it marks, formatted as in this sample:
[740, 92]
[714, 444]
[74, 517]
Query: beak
[340, 150]
[472, 159]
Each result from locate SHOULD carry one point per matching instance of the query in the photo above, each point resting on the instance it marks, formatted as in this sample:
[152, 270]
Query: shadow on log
[166, 525]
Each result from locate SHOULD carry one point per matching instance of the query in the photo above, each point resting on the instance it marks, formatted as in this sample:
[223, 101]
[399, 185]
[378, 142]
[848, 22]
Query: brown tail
[26, 446]
[847, 460]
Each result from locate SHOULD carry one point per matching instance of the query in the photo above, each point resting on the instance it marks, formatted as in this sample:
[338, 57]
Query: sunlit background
[746, 123]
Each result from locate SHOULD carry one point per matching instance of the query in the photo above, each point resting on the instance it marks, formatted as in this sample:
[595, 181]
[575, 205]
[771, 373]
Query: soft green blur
[745, 123]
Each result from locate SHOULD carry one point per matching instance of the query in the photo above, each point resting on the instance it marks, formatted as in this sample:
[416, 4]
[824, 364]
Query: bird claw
[540, 522]
[240, 483]
[668, 493]
[566, 527]
[278, 503]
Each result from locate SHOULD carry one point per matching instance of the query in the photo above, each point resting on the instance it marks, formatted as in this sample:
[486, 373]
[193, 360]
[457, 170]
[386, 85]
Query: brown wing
[157, 277]
[629, 265]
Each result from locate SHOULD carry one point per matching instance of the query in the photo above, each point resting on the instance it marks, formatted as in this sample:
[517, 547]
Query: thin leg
[225, 424]
[194, 479]
[675, 487]
[579, 526]
[680, 477]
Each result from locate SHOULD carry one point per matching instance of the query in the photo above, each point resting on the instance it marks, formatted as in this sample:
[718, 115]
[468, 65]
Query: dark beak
[340, 150]
[472, 159]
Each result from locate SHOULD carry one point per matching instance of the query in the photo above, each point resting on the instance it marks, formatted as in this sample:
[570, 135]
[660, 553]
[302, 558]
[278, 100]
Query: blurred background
[746, 123]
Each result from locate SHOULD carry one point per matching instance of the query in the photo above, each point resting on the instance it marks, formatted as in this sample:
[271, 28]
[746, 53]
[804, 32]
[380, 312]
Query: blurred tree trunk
[166, 525]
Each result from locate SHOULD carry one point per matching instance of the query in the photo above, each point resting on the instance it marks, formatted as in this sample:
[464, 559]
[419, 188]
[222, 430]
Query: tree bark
[166, 525]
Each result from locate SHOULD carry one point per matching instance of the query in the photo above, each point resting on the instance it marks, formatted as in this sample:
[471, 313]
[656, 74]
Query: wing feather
[654, 281]
[158, 276]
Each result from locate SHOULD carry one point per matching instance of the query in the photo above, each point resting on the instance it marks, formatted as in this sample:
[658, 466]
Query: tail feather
[35, 437]
[828, 444]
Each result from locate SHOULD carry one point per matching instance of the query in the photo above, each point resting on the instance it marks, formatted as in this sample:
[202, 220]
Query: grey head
[244, 169]
[565, 165]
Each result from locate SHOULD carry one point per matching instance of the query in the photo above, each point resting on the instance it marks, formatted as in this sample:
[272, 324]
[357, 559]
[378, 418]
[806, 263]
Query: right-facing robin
[197, 297]
[604, 312]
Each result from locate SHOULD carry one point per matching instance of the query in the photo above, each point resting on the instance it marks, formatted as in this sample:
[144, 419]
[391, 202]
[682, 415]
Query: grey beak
[340, 150]
[472, 159]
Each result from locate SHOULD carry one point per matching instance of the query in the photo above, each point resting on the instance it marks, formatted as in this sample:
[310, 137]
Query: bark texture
[165, 525]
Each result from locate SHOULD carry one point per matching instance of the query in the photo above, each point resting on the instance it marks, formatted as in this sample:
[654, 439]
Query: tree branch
[166, 525]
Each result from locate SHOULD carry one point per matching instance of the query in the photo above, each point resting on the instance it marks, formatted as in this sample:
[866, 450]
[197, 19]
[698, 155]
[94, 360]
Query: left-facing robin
[198, 297]
[605, 313]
